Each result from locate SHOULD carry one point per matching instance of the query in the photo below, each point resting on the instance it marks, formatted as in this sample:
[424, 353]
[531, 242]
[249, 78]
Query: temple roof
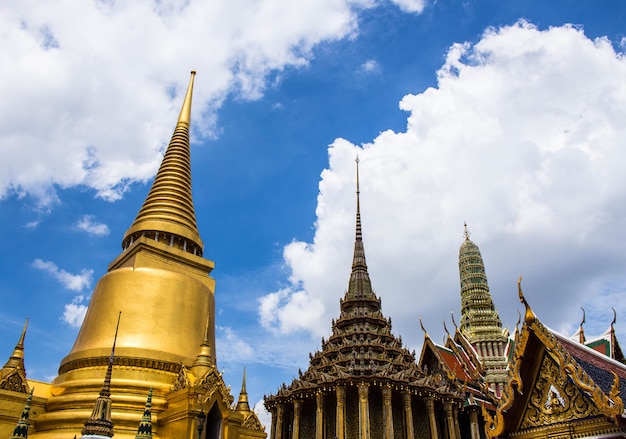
[362, 346]
[557, 385]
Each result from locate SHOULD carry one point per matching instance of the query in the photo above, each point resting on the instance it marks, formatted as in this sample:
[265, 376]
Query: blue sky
[507, 115]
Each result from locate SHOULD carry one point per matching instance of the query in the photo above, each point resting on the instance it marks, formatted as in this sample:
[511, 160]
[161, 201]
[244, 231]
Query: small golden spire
[529, 317]
[466, 232]
[203, 359]
[242, 404]
[16, 360]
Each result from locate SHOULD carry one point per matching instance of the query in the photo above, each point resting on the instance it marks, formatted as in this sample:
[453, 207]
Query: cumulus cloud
[73, 282]
[523, 138]
[74, 312]
[87, 224]
[92, 104]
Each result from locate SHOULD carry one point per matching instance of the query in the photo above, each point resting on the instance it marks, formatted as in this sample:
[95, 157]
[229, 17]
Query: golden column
[297, 411]
[364, 411]
[340, 416]
[388, 413]
[432, 420]
[319, 416]
[447, 409]
[408, 415]
[474, 429]
[279, 421]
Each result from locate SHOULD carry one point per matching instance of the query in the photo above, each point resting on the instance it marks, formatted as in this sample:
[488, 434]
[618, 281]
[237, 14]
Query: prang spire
[100, 423]
[167, 214]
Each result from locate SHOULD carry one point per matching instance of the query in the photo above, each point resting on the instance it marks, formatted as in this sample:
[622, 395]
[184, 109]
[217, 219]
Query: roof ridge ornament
[529, 316]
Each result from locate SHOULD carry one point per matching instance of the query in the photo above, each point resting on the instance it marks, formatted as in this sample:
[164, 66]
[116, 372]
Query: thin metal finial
[445, 328]
[466, 232]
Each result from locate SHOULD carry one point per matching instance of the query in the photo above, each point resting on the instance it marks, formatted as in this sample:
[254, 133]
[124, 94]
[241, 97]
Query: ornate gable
[548, 393]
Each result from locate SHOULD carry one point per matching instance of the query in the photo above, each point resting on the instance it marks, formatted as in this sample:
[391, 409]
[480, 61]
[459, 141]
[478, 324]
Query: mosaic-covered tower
[480, 322]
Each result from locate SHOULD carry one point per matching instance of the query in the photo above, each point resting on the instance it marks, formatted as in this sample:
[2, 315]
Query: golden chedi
[165, 346]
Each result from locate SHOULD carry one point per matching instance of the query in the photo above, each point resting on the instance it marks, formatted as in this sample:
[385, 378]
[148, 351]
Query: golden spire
[145, 426]
[204, 358]
[167, 214]
[242, 404]
[100, 423]
[21, 429]
[16, 360]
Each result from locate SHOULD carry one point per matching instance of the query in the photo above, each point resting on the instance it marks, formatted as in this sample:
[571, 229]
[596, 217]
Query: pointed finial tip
[193, 73]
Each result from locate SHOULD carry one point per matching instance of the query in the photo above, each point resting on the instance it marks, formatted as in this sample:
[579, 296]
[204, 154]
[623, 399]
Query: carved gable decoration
[212, 382]
[15, 381]
[252, 423]
[555, 399]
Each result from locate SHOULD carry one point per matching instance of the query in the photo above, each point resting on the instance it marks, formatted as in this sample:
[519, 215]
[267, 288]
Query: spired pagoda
[364, 383]
[165, 347]
[480, 323]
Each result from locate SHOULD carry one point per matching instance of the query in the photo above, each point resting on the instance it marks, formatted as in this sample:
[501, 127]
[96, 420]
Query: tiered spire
[480, 322]
[13, 374]
[360, 286]
[167, 214]
[204, 360]
[145, 426]
[242, 403]
[479, 319]
[21, 429]
[100, 423]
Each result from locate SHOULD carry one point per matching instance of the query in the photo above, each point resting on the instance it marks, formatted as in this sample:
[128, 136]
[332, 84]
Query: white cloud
[74, 282]
[289, 310]
[74, 312]
[413, 6]
[95, 87]
[523, 138]
[264, 416]
[369, 66]
[231, 346]
[86, 224]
